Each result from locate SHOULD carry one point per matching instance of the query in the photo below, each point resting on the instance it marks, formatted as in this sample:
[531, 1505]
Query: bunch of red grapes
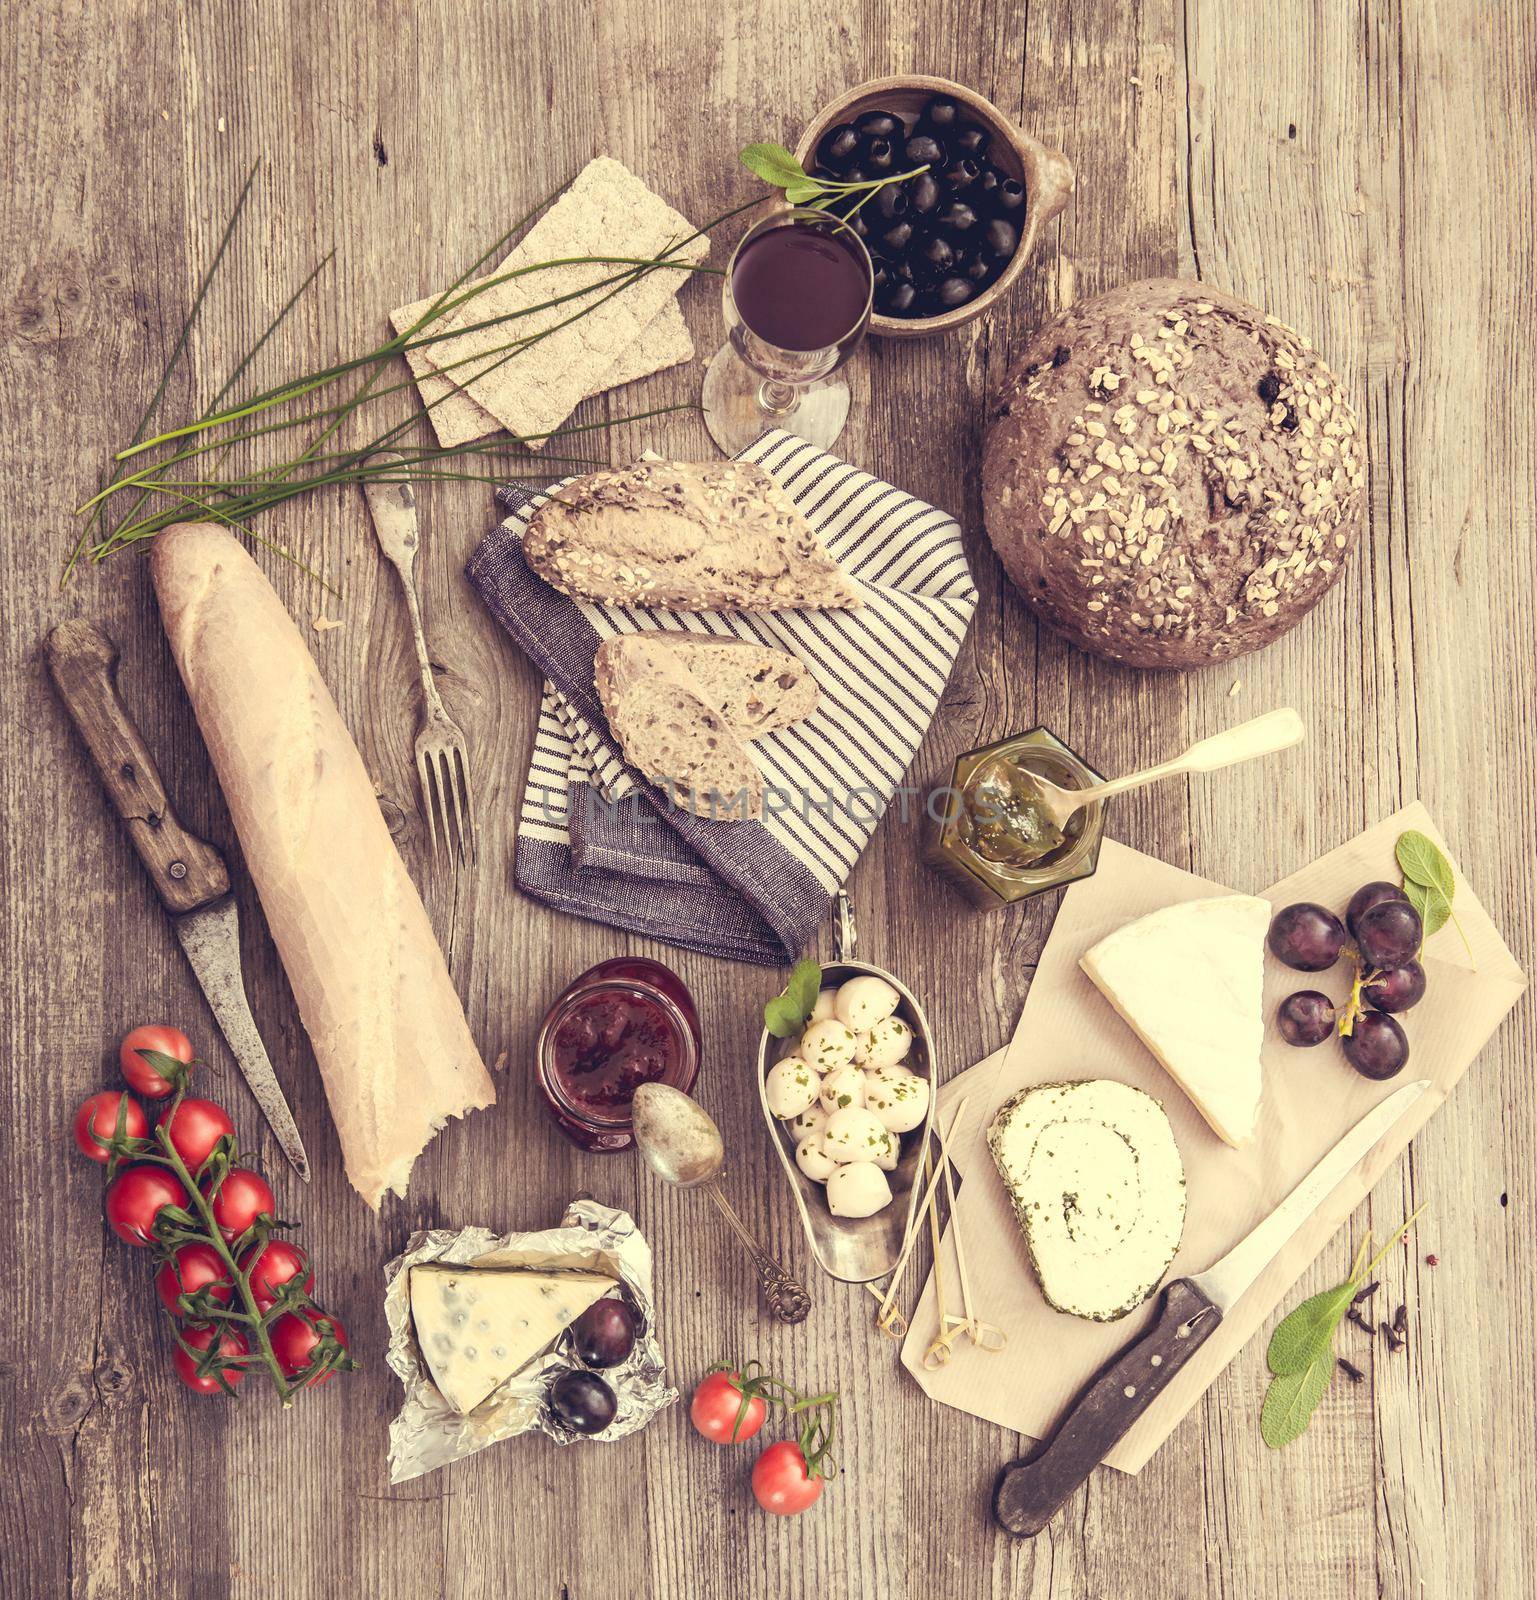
[1381, 935]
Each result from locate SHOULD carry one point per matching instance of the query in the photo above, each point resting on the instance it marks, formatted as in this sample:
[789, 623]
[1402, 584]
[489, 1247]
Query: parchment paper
[1311, 1097]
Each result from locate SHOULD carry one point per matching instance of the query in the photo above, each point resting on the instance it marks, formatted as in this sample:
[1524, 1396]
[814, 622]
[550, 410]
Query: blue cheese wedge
[1189, 980]
[477, 1328]
[1098, 1186]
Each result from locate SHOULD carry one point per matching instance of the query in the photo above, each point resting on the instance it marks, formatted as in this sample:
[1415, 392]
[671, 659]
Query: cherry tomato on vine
[193, 1267]
[231, 1343]
[273, 1264]
[716, 1406]
[194, 1128]
[136, 1196]
[98, 1116]
[781, 1482]
[138, 1072]
[294, 1336]
[240, 1200]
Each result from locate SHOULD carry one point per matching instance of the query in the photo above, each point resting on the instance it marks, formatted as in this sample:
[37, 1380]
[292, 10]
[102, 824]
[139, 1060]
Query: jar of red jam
[623, 1023]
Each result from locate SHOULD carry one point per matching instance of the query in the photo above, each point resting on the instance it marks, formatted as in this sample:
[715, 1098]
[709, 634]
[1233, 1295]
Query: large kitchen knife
[189, 875]
[1031, 1491]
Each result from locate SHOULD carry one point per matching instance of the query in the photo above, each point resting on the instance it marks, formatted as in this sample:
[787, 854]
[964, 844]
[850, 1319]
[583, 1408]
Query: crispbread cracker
[458, 418]
[606, 211]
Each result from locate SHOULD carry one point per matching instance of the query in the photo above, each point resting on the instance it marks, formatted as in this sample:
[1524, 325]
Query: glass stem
[778, 399]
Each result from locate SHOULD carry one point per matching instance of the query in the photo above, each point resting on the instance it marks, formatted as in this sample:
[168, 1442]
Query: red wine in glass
[801, 287]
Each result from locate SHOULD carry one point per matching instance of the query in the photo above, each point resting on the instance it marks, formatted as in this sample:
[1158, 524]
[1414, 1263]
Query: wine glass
[796, 297]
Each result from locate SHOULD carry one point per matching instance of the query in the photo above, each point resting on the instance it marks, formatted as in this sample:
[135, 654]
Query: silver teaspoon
[682, 1145]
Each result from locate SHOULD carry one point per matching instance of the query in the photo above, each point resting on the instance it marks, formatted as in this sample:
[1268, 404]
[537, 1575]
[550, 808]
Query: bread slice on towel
[756, 688]
[372, 987]
[717, 536]
[668, 729]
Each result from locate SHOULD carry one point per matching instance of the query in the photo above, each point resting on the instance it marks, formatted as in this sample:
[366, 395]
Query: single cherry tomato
[138, 1072]
[96, 1120]
[717, 1410]
[194, 1128]
[781, 1482]
[231, 1343]
[273, 1264]
[294, 1336]
[193, 1267]
[136, 1196]
[240, 1200]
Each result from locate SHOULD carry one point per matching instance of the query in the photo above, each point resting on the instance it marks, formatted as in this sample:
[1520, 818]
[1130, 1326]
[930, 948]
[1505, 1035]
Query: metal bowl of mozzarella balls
[850, 1099]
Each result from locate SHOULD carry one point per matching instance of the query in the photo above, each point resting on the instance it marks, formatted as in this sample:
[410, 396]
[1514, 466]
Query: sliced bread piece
[720, 535]
[756, 688]
[669, 730]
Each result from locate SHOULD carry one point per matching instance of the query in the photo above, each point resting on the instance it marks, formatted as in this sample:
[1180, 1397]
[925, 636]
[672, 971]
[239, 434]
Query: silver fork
[442, 761]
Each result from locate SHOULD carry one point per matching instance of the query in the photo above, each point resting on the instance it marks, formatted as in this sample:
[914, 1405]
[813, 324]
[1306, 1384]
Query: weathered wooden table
[1365, 170]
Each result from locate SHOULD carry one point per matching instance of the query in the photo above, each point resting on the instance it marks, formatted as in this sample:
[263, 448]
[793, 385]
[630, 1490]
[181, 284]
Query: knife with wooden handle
[189, 875]
[1031, 1491]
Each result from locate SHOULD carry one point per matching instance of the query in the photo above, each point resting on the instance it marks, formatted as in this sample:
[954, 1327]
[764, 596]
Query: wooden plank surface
[1365, 170]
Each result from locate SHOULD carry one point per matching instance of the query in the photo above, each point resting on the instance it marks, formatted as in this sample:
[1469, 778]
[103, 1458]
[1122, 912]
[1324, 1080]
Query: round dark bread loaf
[1171, 477]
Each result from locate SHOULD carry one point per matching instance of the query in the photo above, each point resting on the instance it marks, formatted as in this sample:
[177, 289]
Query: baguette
[389, 1034]
[718, 536]
[756, 688]
[668, 729]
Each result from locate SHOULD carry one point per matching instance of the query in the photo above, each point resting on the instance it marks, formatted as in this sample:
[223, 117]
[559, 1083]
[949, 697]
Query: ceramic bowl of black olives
[950, 241]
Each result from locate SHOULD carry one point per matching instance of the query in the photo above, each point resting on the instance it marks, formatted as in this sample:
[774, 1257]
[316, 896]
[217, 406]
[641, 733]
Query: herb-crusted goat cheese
[1099, 1189]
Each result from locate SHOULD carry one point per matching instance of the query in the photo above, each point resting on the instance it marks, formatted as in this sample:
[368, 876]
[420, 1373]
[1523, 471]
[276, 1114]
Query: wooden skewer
[913, 1230]
[985, 1335]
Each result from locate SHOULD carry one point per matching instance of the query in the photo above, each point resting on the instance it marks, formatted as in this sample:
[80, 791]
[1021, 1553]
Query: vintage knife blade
[1029, 1492]
[189, 874]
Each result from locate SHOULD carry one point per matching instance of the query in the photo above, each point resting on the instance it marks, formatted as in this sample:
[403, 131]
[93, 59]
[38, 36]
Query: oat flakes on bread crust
[1172, 477]
[755, 687]
[717, 536]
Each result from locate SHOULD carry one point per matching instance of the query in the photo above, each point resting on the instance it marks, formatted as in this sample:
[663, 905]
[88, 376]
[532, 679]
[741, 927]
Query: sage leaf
[774, 164]
[799, 194]
[1422, 863]
[1307, 1333]
[785, 1014]
[1292, 1399]
[1434, 908]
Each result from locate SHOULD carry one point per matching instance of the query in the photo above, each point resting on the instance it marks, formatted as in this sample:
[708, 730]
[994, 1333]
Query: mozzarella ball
[887, 1156]
[857, 1189]
[791, 1086]
[886, 1043]
[854, 1135]
[899, 1099]
[812, 1158]
[861, 1049]
[862, 1002]
[843, 1087]
[812, 1120]
[827, 1045]
[823, 1009]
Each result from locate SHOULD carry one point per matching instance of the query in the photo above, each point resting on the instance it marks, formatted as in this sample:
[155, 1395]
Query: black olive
[924, 194]
[961, 174]
[837, 146]
[896, 237]
[880, 276]
[952, 292]
[936, 254]
[1009, 197]
[969, 140]
[924, 150]
[889, 203]
[985, 189]
[877, 157]
[825, 174]
[879, 125]
[899, 300]
[976, 267]
[901, 271]
[859, 225]
[1000, 239]
[957, 217]
[940, 114]
[855, 174]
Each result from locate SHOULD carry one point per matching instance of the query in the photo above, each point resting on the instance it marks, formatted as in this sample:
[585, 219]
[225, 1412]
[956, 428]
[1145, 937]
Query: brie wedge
[478, 1327]
[1099, 1189]
[1189, 980]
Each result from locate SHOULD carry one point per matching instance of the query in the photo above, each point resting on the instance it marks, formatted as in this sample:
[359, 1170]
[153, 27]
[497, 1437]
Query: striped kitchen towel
[596, 840]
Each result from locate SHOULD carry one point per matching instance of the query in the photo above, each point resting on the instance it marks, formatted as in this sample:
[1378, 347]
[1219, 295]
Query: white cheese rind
[1098, 1187]
[1189, 980]
[477, 1328]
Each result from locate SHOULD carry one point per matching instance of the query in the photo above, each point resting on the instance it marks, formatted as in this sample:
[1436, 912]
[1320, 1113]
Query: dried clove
[1395, 1341]
[1401, 1321]
[1366, 1293]
[1353, 1315]
[1351, 1370]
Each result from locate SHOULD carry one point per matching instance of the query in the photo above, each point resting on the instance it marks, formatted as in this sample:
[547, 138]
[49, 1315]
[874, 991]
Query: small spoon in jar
[682, 1145]
[1261, 736]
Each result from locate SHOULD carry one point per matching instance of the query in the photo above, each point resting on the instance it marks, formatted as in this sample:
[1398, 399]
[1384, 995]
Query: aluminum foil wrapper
[428, 1433]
